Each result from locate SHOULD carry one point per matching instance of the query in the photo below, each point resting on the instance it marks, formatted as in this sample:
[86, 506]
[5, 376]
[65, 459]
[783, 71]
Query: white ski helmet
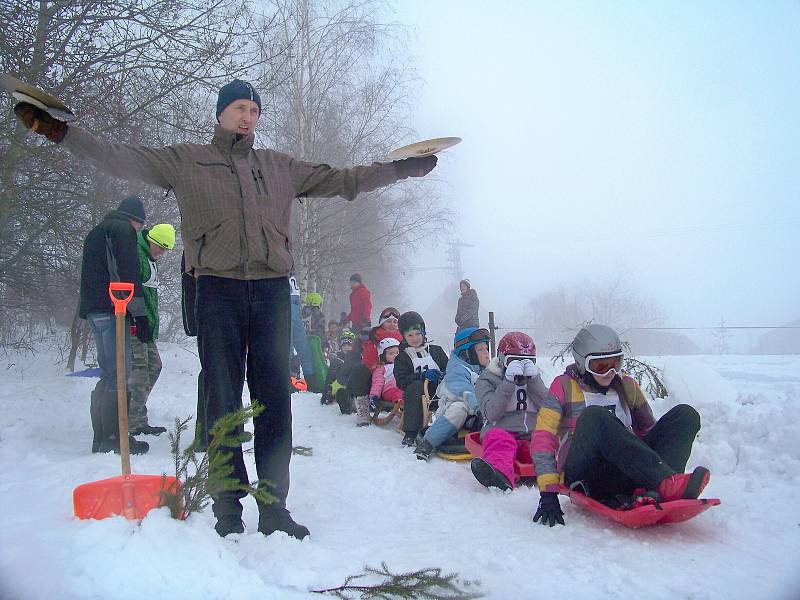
[594, 340]
[386, 343]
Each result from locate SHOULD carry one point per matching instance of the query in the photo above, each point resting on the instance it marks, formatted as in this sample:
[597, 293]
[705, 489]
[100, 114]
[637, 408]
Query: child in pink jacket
[384, 387]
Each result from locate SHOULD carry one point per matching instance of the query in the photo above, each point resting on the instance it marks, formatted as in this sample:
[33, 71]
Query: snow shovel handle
[120, 304]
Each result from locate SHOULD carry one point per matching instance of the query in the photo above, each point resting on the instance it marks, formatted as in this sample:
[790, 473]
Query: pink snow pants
[500, 448]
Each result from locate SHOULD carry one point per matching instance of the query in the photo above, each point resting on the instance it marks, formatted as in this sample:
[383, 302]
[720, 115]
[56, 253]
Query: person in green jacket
[145, 360]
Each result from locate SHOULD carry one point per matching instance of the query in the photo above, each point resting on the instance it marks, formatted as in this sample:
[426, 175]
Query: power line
[714, 328]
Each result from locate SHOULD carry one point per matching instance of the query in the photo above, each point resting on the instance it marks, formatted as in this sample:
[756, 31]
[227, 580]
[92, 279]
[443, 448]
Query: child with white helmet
[384, 387]
[596, 431]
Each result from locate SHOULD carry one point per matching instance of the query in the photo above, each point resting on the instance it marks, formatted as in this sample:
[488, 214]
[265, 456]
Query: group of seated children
[593, 429]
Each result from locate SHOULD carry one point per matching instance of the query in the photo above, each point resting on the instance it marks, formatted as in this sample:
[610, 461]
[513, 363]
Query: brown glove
[39, 121]
[415, 166]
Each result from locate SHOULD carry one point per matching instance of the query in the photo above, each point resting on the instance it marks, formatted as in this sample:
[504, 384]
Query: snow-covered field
[366, 500]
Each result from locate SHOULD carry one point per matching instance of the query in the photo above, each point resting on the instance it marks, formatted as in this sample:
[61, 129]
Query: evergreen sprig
[211, 474]
[425, 584]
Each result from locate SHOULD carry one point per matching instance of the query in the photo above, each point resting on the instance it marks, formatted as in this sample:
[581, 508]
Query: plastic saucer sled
[423, 148]
[24, 92]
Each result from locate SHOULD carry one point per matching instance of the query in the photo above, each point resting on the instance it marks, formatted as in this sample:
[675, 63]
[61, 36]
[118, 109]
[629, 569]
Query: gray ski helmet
[594, 339]
[410, 320]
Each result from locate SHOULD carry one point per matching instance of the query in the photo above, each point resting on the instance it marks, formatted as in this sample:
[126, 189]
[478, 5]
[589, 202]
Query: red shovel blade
[131, 496]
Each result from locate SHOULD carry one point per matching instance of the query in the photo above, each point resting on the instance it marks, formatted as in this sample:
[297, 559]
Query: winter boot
[95, 412]
[271, 520]
[229, 517]
[147, 429]
[424, 449]
[409, 439]
[111, 444]
[488, 476]
[362, 410]
[344, 401]
[684, 485]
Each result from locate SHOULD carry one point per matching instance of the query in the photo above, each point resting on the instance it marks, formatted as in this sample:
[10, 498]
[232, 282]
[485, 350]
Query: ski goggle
[389, 313]
[604, 364]
[512, 357]
[479, 335]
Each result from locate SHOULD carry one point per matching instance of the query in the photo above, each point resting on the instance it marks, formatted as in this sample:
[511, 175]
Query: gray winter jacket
[235, 201]
[467, 311]
[504, 405]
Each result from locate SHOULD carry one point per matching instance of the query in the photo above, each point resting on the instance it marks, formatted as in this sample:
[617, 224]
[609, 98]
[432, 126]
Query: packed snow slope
[366, 500]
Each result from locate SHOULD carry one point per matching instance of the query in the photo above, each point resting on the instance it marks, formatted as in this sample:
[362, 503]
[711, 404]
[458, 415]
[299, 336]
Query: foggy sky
[658, 140]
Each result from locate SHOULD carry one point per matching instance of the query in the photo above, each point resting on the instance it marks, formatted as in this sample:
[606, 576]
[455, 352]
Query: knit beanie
[236, 90]
[355, 277]
[133, 208]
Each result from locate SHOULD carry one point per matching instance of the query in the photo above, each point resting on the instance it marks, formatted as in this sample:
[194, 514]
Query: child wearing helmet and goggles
[510, 391]
[456, 393]
[596, 430]
[362, 376]
[345, 343]
[418, 362]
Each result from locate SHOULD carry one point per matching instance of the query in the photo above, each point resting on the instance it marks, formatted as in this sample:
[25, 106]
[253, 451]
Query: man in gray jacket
[235, 203]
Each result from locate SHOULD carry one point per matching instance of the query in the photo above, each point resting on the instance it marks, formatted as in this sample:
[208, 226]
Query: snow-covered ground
[366, 500]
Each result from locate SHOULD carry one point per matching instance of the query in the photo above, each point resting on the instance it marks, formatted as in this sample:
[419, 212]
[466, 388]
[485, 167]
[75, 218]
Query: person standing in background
[360, 305]
[145, 360]
[468, 305]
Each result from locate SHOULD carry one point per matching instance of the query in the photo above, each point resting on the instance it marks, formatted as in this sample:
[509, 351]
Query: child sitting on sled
[510, 391]
[384, 387]
[418, 361]
[596, 431]
[360, 382]
[336, 361]
[456, 393]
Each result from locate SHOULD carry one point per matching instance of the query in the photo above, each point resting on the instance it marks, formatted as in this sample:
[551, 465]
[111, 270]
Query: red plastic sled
[676, 511]
[523, 468]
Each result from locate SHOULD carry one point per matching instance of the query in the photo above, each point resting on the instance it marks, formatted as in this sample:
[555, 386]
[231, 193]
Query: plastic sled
[455, 448]
[130, 496]
[88, 372]
[318, 358]
[660, 513]
[523, 468]
[299, 385]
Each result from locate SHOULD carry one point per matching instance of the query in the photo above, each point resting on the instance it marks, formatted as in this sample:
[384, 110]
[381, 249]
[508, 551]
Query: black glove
[143, 331]
[549, 510]
[41, 122]
[415, 166]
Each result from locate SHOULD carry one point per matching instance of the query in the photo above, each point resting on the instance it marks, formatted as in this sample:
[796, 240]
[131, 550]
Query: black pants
[412, 406]
[360, 381]
[244, 327]
[609, 459]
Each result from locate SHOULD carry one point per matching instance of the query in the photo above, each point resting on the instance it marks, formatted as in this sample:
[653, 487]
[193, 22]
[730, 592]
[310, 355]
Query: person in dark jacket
[236, 206]
[468, 305]
[110, 254]
[418, 361]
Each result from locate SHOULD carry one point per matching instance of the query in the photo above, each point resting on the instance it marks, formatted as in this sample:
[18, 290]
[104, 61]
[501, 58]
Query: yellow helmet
[162, 235]
[314, 299]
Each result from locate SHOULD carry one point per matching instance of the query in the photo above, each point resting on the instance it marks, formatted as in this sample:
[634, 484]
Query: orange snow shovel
[131, 496]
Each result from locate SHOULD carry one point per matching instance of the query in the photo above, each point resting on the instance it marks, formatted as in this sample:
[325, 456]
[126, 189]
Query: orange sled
[659, 513]
[131, 496]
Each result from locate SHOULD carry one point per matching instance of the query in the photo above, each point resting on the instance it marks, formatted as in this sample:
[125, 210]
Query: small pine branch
[425, 584]
[302, 450]
[210, 474]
